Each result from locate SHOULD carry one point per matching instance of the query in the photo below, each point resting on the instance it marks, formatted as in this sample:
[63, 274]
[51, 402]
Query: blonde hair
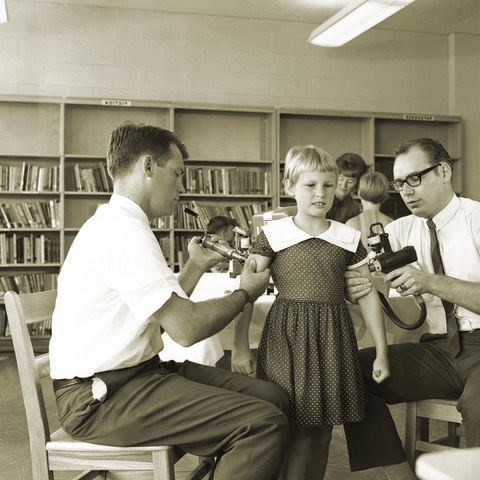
[306, 158]
[373, 187]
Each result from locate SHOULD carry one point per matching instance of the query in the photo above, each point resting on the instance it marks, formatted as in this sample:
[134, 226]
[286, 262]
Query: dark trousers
[418, 371]
[203, 410]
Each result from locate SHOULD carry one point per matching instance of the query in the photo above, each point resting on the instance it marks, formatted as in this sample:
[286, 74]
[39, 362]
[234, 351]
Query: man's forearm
[190, 276]
[460, 292]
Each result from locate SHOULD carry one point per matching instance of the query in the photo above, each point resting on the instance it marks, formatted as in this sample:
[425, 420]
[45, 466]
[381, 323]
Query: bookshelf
[231, 170]
[373, 136]
[53, 158]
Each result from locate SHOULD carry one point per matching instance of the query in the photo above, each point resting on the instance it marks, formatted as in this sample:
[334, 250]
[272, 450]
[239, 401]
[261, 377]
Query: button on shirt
[114, 278]
[458, 232]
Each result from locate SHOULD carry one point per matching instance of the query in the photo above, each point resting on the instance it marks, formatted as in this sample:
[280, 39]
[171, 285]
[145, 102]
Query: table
[457, 464]
[210, 350]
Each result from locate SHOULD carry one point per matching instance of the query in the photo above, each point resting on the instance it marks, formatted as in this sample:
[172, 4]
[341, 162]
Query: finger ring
[403, 287]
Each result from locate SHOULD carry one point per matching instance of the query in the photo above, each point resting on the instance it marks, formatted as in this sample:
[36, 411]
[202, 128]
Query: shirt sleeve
[261, 246]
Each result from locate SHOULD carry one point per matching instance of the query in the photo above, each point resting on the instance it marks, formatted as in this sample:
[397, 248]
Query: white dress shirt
[458, 232]
[114, 278]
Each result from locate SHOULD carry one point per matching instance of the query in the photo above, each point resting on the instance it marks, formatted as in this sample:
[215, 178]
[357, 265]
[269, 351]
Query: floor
[14, 449]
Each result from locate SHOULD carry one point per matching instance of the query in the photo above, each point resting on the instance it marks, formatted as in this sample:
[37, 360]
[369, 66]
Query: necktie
[453, 336]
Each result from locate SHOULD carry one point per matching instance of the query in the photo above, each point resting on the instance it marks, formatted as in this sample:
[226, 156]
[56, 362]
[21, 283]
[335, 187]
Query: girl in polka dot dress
[308, 344]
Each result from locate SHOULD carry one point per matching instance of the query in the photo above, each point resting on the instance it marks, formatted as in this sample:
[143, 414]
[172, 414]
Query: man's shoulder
[469, 205]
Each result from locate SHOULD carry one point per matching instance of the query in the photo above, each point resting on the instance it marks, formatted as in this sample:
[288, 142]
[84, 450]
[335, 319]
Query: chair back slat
[23, 310]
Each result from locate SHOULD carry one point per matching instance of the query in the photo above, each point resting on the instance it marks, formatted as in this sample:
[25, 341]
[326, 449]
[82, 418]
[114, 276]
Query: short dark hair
[130, 141]
[351, 165]
[219, 223]
[373, 187]
[433, 148]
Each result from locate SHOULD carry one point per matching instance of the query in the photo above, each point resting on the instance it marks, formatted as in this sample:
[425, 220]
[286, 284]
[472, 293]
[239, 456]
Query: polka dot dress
[308, 345]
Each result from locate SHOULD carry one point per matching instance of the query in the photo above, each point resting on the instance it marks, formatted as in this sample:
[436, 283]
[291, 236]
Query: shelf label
[117, 103]
[422, 118]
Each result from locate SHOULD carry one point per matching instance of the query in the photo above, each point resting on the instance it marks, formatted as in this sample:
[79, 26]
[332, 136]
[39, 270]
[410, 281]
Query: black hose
[400, 323]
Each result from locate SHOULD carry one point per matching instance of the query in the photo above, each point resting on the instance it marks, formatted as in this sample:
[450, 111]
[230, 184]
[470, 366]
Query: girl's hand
[381, 369]
[242, 361]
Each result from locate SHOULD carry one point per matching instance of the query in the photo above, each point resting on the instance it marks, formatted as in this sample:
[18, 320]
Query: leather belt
[68, 382]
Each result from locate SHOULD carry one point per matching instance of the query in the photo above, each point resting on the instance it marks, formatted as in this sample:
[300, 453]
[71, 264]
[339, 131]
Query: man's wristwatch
[245, 294]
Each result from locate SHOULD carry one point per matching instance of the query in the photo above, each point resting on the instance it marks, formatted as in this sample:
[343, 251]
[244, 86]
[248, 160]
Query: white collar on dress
[283, 233]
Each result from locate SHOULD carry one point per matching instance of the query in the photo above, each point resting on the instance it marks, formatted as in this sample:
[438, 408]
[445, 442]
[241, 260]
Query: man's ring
[403, 287]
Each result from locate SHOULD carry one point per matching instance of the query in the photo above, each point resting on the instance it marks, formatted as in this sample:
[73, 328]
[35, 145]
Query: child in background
[308, 344]
[351, 167]
[373, 191]
[222, 227]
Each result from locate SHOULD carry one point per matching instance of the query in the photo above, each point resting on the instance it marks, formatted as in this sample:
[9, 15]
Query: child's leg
[319, 448]
[307, 454]
[298, 453]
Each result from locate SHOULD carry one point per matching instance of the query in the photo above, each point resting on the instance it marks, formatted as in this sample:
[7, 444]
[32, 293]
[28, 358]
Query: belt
[68, 382]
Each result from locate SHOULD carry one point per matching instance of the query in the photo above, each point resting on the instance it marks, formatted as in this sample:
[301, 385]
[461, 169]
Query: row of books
[184, 220]
[30, 215]
[87, 178]
[28, 249]
[29, 178]
[242, 214]
[385, 166]
[161, 222]
[227, 181]
[28, 283]
[40, 328]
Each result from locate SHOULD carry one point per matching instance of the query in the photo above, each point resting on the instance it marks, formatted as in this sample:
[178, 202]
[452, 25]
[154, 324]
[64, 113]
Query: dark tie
[453, 336]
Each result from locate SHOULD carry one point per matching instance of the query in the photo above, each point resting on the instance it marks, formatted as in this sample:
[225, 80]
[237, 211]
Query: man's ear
[147, 165]
[446, 171]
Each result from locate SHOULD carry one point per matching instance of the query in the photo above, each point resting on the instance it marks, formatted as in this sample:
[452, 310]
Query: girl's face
[314, 192]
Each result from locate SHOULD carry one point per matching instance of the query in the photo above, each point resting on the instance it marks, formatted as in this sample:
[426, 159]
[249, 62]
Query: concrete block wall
[66, 50]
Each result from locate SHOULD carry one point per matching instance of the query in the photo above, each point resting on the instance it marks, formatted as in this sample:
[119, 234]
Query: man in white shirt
[431, 368]
[116, 295]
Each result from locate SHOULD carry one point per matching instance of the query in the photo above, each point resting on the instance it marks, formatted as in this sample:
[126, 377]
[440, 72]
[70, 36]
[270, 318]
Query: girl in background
[308, 345]
[373, 191]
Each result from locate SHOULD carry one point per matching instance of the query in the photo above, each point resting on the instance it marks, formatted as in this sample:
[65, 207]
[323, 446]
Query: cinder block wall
[67, 50]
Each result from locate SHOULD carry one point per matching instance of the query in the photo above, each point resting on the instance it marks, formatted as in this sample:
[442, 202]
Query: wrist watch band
[245, 294]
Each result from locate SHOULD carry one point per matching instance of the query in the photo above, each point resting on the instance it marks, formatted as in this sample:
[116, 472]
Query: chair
[417, 428]
[58, 451]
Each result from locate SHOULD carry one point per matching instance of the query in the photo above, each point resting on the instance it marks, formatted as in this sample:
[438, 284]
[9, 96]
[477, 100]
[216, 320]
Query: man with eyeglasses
[431, 368]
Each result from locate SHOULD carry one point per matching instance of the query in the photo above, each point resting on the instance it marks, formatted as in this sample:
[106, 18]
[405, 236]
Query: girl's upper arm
[262, 262]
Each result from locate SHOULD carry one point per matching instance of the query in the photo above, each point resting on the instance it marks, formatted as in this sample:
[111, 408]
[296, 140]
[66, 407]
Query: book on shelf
[161, 222]
[227, 180]
[30, 215]
[28, 282]
[28, 249]
[28, 177]
[87, 178]
[241, 214]
[3, 322]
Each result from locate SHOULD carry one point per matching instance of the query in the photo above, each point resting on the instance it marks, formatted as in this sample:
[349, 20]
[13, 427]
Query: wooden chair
[58, 451]
[417, 428]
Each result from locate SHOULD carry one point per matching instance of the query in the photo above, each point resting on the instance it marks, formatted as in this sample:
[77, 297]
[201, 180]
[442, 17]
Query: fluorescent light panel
[353, 20]
[3, 12]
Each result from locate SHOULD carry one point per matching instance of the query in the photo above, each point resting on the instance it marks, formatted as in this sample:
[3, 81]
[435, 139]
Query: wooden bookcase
[373, 136]
[236, 162]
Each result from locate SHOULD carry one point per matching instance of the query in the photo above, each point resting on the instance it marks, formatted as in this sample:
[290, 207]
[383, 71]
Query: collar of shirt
[129, 206]
[444, 216]
[283, 233]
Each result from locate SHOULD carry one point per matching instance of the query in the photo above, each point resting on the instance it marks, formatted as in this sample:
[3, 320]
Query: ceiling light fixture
[3, 12]
[353, 20]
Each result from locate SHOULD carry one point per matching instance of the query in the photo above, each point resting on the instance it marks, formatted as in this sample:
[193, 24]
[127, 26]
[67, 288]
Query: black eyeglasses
[413, 180]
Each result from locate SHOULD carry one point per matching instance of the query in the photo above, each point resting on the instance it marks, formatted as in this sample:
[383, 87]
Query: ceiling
[428, 16]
